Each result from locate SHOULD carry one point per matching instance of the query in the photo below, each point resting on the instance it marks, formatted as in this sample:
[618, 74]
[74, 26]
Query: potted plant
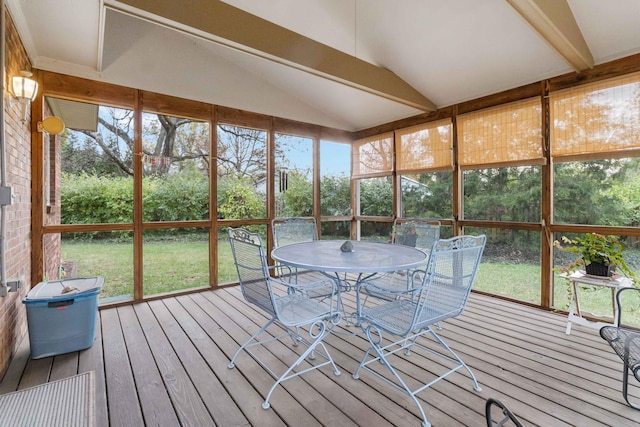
[600, 255]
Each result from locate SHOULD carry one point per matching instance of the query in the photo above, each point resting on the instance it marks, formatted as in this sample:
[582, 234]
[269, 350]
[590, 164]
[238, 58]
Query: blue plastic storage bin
[62, 322]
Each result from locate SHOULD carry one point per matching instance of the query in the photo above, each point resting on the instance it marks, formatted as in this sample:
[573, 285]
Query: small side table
[575, 315]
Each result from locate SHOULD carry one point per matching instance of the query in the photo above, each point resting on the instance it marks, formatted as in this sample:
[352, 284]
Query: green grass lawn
[177, 265]
[167, 266]
[521, 281]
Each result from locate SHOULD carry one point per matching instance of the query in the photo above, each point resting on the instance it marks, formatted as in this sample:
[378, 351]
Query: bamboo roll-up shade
[372, 156]
[426, 147]
[507, 134]
[602, 117]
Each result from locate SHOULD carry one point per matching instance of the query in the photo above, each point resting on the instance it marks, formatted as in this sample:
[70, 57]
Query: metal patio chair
[626, 343]
[416, 232]
[294, 230]
[442, 293]
[291, 230]
[294, 311]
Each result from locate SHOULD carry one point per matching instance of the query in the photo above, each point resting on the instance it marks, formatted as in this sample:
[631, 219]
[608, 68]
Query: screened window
[335, 185]
[242, 172]
[596, 119]
[510, 264]
[96, 165]
[425, 147]
[108, 254]
[294, 175]
[373, 156]
[426, 195]
[175, 259]
[598, 192]
[176, 168]
[509, 134]
[503, 194]
[376, 197]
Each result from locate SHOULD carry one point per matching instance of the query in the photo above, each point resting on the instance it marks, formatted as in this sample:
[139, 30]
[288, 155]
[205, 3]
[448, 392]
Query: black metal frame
[626, 343]
[508, 415]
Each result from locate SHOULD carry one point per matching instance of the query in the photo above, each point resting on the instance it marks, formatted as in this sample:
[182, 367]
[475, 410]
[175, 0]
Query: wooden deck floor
[165, 363]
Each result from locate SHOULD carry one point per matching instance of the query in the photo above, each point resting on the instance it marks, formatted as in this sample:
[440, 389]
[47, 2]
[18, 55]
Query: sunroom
[518, 120]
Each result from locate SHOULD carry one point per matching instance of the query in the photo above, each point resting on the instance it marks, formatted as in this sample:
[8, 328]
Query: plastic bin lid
[54, 288]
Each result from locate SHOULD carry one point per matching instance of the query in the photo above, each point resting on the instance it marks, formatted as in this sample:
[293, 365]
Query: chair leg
[231, 364]
[380, 352]
[311, 349]
[476, 386]
[408, 344]
[625, 385]
[411, 394]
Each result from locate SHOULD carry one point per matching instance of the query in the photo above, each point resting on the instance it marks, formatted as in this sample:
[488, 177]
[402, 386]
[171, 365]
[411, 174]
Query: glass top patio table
[366, 257]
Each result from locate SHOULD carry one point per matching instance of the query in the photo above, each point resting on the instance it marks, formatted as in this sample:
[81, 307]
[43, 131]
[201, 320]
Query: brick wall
[18, 239]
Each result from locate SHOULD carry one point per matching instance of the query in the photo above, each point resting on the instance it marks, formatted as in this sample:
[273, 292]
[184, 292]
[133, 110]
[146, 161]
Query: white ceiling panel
[611, 28]
[448, 51]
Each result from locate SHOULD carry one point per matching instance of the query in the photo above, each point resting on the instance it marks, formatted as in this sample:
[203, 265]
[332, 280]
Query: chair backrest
[452, 268]
[251, 265]
[417, 232]
[506, 414]
[293, 230]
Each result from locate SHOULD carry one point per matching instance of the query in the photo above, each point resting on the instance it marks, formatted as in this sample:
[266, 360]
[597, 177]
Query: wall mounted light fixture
[24, 90]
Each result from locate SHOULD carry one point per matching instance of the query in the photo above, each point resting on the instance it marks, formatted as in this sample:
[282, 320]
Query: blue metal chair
[294, 311]
[439, 293]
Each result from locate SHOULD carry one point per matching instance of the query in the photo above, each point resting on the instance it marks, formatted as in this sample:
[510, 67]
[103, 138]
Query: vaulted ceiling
[347, 64]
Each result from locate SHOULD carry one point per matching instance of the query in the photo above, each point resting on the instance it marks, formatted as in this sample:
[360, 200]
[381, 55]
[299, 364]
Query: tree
[114, 135]
[376, 197]
[167, 141]
[81, 153]
[237, 199]
[335, 195]
[242, 153]
[427, 195]
[582, 192]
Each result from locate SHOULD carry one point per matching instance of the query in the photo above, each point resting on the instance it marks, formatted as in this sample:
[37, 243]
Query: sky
[335, 158]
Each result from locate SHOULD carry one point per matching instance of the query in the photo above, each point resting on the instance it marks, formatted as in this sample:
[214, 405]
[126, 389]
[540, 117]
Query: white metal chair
[294, 311]
[287, 231]
[442, 293]
[420, 233]
[294, 230]
[416, 232]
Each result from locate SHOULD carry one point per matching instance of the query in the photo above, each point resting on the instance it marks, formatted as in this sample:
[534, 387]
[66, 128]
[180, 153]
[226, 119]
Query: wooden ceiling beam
[222, 23]
[555, 23]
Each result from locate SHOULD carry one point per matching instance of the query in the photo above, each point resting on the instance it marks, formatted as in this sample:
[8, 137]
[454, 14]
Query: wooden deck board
[207, 336]
[154, 400]
[165, 363]
[186, 400]
[215, 397]
[250, 369]
[122, 397]
[278, 357]
[92, 359]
